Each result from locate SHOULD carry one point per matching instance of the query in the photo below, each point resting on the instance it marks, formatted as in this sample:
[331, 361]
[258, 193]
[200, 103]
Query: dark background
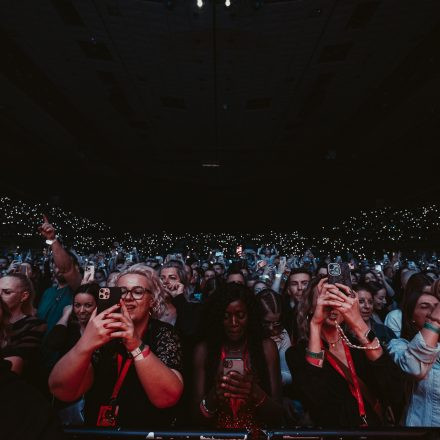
[313, 110]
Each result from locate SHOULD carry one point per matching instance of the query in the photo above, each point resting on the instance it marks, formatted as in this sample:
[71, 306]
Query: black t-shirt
[135, 409]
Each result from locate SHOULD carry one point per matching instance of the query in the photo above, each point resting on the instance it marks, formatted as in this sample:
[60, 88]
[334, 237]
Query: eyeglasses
[137, 292]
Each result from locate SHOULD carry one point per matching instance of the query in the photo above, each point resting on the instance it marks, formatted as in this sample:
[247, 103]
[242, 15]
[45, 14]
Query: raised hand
[326, 299]
[47, 230]
[97, 332]
[123, 327]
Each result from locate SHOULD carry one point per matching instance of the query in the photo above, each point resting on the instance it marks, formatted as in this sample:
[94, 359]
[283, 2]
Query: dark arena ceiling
[151, 114]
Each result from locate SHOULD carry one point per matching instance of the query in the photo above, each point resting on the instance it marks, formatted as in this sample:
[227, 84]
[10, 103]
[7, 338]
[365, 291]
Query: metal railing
[309, 434]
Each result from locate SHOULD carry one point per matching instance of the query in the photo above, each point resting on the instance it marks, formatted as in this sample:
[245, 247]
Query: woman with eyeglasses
[134, 381]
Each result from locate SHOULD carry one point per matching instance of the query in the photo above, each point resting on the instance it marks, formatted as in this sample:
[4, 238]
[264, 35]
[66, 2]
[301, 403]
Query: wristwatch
[51, 242]
[137, 351]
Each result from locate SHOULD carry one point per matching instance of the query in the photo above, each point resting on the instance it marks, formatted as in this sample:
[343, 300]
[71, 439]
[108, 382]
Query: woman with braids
[232, 329]
[346, 382]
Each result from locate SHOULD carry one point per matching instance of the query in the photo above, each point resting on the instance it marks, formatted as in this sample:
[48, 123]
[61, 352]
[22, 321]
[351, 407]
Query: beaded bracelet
[357, 347]
[431, 327]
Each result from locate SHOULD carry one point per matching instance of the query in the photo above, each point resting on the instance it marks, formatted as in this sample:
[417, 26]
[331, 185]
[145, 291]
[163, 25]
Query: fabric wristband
[431, 327]
[314, 355]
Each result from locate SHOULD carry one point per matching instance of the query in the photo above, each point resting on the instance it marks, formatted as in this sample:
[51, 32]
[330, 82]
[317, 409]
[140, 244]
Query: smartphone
[233, 364]
[219, 254]
[90, 271]
[378, 267]
[339, 273]
[107, 297]
[261, 264]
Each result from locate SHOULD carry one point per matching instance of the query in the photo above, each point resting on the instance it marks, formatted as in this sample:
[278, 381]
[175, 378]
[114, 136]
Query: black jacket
[327, 395]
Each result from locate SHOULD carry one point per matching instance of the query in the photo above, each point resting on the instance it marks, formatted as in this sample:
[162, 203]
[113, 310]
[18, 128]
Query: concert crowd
[191, 337]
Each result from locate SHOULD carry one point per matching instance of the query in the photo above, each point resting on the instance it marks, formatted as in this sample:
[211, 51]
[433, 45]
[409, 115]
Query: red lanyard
[354, 386]
[122, 373]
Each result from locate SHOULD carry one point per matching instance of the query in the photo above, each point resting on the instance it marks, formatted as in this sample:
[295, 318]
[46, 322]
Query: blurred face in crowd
[208, 274]
[100, 277]
[380, 300]
[322, 272]
[235, 321]
[3, 263]
[365, 304]
[169, 276]
[354, 279]
[218, 269]
[12, 293]
[298, 282]
[236, 278]
[137, 308]
[389, 272]
[259, 286]
[272, 324]
[83, 306]
[369, 277]
[424, 306]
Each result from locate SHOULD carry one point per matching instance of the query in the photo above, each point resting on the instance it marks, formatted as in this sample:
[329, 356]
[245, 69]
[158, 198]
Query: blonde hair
[27, 306]
[158, 305]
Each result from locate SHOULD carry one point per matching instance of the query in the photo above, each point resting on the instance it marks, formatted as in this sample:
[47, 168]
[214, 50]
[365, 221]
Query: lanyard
[353, 384]
[122, 373]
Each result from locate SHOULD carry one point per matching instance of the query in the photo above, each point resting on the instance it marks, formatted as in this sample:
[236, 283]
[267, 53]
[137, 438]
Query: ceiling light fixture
[227, 3]
[211, 165]
[200, 3]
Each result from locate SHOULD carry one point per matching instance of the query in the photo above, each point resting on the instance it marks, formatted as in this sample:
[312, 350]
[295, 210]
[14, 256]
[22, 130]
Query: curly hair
[214, 333]
[158, 306]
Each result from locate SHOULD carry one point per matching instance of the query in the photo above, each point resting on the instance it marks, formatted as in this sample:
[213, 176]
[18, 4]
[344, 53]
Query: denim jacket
[423, 364]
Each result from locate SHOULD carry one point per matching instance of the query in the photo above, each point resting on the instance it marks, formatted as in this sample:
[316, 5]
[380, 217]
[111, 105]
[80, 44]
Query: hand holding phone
[339, 273]
[108, 297]
[233, 364]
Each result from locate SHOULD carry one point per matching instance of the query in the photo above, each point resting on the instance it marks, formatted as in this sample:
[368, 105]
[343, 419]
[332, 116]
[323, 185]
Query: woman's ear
[25, 296]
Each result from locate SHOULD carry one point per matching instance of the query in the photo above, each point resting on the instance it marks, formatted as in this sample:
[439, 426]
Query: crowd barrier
[306, 434]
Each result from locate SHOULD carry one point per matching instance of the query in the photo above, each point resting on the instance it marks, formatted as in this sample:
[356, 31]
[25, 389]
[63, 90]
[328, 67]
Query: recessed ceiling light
[210, 165]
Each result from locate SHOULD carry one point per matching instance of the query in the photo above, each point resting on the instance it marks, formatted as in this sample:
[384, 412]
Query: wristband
[432, 328]
[51, 242]
[314, 355]
[136, 351]
[143, 354]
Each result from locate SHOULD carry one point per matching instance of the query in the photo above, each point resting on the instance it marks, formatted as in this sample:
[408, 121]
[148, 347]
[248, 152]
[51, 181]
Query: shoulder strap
[372, 401]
